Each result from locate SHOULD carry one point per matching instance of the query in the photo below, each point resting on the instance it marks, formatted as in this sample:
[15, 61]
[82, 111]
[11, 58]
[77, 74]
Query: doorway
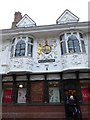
[71, 92]
[72, 107]
[71, 87]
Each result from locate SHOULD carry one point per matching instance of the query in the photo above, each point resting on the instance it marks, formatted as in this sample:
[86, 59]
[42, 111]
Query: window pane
[83, 46]
[54, 92]
[17, 53]
[63, 47]
[70, 43]
[30, 47]
[72, 37]
[21, 95]
[22, 52]
[21, 92]
[73, 44]
[20, 48]
[76, 46]
[70, 46]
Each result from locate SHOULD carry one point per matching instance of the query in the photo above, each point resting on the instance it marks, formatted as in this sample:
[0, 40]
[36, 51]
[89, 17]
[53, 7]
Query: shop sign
[8, 96]
[86, 94]
[47, 60]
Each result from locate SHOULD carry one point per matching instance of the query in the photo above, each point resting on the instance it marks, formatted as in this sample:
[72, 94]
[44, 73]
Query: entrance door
[71, 90]
[71, 87]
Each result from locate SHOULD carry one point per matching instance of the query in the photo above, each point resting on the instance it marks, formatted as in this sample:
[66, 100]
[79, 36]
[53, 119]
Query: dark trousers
[72, 113]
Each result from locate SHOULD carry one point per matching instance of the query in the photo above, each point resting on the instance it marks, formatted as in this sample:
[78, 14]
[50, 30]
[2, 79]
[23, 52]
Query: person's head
[71, 97]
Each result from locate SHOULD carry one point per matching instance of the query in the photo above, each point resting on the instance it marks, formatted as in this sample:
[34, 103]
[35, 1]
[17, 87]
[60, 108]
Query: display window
[7, 93]
[21, 92]
[54, 92]
[85, 90]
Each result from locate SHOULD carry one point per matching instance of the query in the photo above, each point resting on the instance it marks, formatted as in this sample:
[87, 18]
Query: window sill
[74, 53]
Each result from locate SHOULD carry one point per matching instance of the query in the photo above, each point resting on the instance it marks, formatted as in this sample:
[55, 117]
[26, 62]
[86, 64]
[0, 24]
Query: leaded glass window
[20, 48]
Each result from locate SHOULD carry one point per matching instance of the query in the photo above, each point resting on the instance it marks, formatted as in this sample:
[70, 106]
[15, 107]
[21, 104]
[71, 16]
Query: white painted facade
[40, 64]
[53, 61]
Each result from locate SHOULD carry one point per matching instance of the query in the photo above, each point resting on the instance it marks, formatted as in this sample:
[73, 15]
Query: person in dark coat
[72, 110]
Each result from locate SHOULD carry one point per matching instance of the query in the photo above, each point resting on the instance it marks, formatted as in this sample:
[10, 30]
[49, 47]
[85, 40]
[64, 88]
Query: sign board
[86, 94]
[8, 96]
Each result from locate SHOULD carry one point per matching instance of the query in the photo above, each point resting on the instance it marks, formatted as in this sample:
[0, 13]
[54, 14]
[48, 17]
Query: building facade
[40, 63]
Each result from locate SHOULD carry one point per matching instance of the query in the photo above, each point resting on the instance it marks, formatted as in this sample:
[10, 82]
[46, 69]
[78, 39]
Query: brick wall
[34, 112]
[41, 112]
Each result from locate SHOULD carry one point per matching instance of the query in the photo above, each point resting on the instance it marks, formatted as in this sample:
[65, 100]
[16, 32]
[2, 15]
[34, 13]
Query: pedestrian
[72, 105]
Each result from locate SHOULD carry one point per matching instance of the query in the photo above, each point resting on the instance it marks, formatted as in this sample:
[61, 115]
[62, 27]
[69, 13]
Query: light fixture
[20, 86]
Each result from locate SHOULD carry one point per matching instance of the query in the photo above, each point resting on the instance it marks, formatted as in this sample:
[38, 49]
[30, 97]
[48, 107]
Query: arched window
[20, 48]
[73, 44]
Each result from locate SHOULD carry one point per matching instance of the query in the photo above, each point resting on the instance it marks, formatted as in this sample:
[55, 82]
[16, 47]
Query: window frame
[25, 40]
[80, 37]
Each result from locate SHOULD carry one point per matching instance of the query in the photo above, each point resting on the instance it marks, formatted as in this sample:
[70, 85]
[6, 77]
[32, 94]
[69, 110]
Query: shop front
[42, 96]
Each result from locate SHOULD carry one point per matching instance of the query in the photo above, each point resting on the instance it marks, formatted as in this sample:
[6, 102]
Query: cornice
[47, 28]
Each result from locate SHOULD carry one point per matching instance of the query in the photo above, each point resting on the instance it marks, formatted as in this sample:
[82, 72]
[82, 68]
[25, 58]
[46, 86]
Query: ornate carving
[76, 60]
[18, 63]
[29, 64]
[64, 63]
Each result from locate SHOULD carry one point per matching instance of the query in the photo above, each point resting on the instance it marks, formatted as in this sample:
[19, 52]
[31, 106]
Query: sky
[43, 12]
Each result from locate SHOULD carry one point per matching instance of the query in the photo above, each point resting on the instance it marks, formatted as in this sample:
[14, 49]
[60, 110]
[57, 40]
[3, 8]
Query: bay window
[72, 42]
[22, 46]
